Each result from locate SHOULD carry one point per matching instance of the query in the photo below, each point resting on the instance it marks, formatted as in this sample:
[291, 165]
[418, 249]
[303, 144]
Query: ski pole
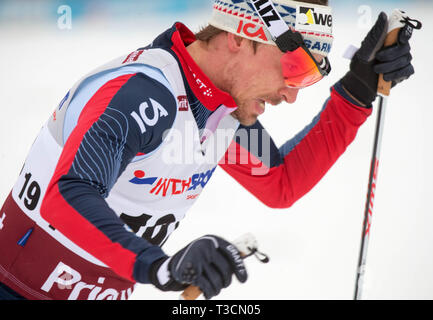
[247, 246]
[397, 20]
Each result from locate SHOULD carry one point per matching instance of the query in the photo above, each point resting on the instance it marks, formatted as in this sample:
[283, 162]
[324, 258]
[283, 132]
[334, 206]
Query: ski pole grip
[193, 292]
[396, 22]
[384, 87]
[247, 246]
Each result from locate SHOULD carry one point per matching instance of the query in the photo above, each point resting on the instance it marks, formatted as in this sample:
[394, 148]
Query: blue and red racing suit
[126, 154]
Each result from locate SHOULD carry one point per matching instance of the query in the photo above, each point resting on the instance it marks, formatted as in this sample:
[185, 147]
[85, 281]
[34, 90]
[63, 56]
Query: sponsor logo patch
[183, 103]
[172, 186]
[64, 277]
[133, 56]
[266, 11]
[314, 19]
[142, 118]
[252, 30]
[317, 45]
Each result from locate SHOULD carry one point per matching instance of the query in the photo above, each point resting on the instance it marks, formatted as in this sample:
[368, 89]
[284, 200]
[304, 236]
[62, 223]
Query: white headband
[313, 21]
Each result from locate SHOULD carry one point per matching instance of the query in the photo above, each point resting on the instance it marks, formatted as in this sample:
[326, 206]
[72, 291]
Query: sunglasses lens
[299, 69]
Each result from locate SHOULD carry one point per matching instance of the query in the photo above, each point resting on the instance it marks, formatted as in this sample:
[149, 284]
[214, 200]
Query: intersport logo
[172, 186]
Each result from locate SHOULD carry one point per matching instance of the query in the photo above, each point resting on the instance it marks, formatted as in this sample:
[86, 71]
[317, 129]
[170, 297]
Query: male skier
[132, 145]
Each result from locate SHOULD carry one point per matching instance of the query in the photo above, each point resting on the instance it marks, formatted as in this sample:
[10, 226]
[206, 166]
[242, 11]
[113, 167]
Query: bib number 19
[31, 192]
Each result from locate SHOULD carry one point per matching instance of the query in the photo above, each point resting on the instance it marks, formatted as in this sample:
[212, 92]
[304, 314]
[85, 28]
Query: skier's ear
[234, 42]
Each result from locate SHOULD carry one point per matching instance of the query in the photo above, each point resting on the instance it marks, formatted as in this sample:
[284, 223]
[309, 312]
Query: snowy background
[45, 46]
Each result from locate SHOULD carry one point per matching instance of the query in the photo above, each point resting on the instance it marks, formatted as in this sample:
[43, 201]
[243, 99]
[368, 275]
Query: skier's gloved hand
[208, 262]
[371, 59]
[394, 62]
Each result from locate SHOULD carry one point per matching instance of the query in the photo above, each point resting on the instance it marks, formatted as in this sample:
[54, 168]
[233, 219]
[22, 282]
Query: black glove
[370, 60]
[394, 62]
[208, 262]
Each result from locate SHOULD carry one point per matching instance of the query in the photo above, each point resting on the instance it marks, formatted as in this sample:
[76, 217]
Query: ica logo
[142, 118]
[251, 30]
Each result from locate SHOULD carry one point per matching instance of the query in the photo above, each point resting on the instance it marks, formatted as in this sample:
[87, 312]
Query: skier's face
[258, 79]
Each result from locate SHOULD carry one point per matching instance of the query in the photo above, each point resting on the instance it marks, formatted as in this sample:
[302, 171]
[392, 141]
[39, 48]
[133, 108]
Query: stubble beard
[245, 118]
